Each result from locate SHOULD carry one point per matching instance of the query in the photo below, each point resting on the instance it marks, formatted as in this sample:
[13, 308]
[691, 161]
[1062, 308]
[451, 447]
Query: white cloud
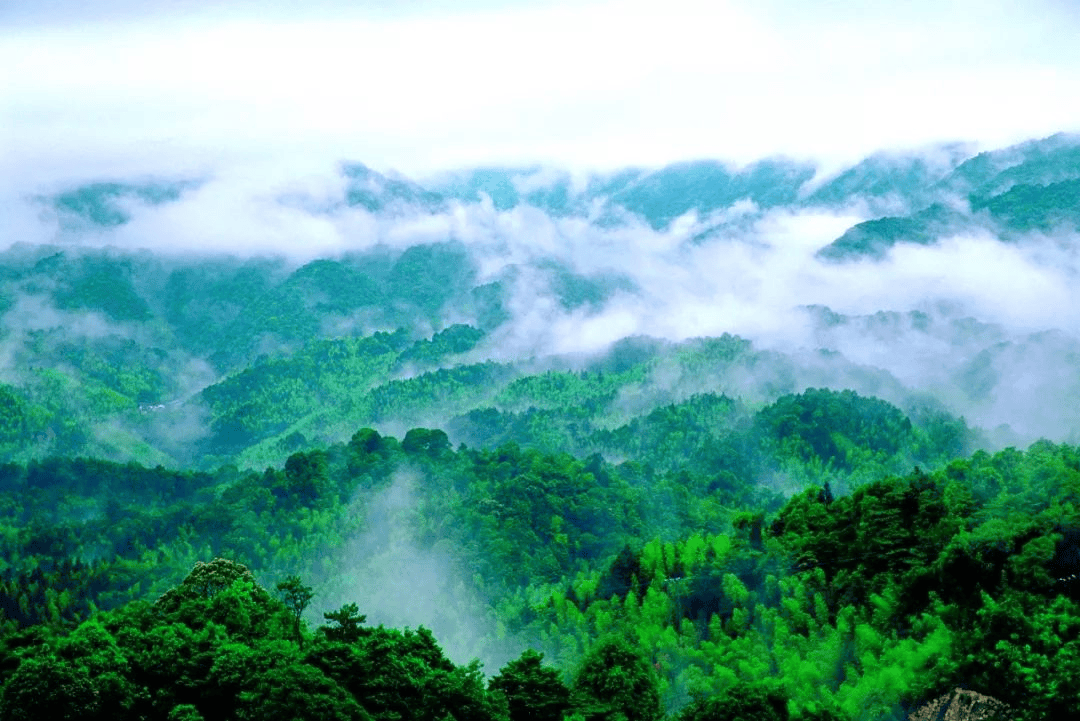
[266, 107]
[595, 84]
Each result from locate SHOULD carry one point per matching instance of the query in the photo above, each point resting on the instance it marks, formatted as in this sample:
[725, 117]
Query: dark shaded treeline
[707, 453]
[829, 605]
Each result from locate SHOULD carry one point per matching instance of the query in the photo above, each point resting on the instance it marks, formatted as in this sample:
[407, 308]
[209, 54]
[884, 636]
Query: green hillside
[837, 604]
[522, 447]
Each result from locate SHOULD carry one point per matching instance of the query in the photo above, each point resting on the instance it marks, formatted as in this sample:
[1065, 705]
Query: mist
[743, 269]
[198, 194]
[399, 584]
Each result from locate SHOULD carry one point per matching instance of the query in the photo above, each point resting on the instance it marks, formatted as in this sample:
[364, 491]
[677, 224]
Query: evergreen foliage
[690, 530]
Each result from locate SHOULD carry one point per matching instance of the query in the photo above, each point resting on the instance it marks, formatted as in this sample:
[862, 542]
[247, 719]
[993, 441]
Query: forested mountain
[852, 604]
[234, 357]
[1021, 187]
[697, 442]
[1008, 192]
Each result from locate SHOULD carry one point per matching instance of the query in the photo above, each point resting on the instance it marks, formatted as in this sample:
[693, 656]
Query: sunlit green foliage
[851, 604]
[670, 548]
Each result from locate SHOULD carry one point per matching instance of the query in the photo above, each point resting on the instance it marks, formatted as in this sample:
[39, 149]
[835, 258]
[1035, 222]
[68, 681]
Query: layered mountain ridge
[913, 198]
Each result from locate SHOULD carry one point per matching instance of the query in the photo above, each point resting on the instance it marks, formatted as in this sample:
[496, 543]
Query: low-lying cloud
[398, 583]
[739, 270]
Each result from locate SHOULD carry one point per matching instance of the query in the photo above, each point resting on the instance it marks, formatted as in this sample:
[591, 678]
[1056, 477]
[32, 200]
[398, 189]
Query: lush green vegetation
[230, 487]
[1036, 207]
[827, 605]
[874, 238]
[1010, 192]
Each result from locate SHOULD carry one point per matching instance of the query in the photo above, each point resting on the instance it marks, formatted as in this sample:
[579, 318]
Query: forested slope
[700, 442]
[827, 605]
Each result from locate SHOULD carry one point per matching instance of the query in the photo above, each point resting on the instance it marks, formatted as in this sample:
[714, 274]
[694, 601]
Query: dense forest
[372, 485]
[635, 583]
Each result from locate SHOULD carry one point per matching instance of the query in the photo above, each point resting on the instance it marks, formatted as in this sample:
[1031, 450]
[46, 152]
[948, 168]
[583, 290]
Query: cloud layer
[994, 335]
[600, 84]
[260, 102]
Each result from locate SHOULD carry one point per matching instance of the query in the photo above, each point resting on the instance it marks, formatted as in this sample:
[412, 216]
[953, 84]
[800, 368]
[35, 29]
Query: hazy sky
[119, 86]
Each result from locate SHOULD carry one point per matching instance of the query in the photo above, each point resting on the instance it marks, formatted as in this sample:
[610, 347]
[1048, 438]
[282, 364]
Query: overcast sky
[99, 87]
